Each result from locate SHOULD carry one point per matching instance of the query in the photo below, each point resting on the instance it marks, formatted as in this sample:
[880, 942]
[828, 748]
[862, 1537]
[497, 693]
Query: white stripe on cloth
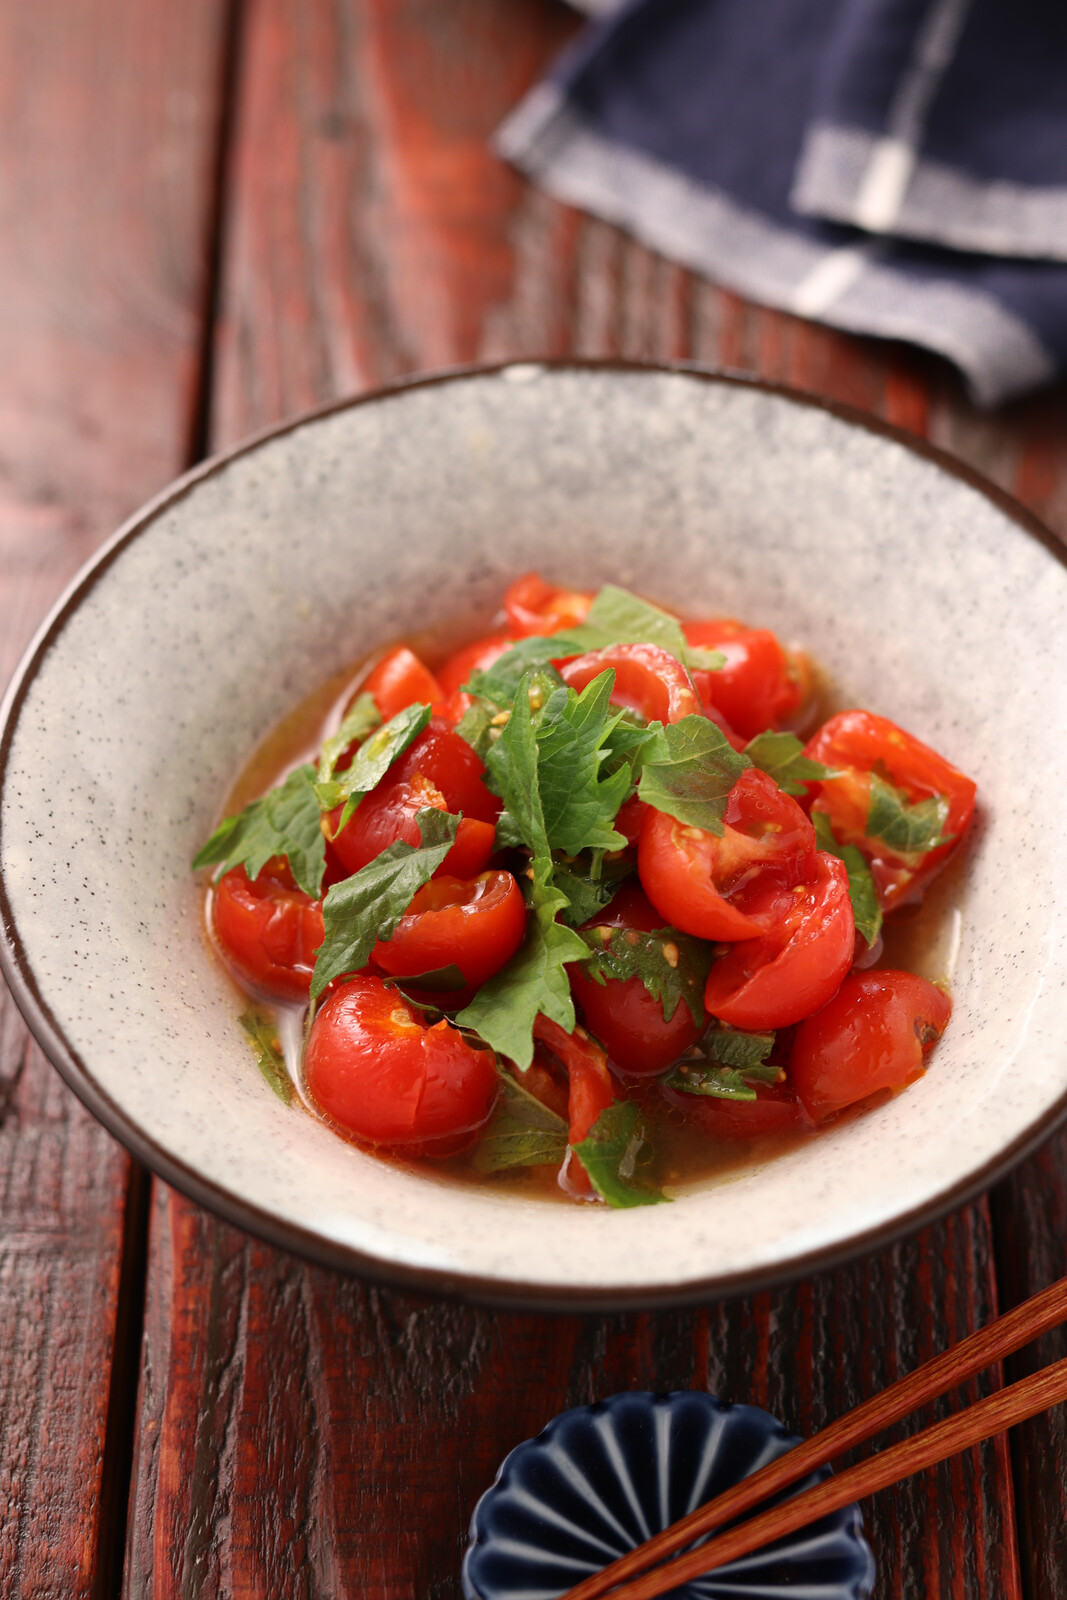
[892, 161]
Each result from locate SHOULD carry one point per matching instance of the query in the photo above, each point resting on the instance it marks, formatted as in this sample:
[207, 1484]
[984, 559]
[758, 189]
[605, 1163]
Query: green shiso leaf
[688, 771]
[781, 755]
[521, 1133]
[368, 906]
[372, 761]
[673, 966]
[611, 1154]
[284, 822]
[263, 1037]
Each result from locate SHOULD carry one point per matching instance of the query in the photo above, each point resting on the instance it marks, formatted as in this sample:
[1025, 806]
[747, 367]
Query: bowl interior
[244, 589]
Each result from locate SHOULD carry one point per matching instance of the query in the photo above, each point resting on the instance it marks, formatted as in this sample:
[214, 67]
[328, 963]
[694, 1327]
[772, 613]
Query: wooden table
[215, 213]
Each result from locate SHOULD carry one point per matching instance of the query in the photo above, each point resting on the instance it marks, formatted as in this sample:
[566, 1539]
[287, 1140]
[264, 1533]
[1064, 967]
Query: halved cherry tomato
[624, 1016]
[630, 816]
[476, 924]
[589, 1092]
[737, 886]
[374, 1065]
[268, 929]
[647, 680]
[400, 679]
[439, 769]
[390, 813]
[474, 657]
[775, 1110]
[857, 743]
[536, 607]
[874, 1034]
[758, 687]
[449, 763]
[787, 974]
[546, 1079]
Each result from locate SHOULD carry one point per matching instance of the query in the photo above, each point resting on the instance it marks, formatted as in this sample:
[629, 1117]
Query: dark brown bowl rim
[304, 1242]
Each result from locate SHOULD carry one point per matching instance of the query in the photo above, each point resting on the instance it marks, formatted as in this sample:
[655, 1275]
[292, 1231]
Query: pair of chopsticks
[947, 1438]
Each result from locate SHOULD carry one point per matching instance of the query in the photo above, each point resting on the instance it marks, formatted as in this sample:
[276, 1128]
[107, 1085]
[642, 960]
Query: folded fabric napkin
[893, 167]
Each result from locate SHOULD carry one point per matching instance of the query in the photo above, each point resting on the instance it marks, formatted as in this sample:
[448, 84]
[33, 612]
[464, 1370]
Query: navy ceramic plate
[604, 1478]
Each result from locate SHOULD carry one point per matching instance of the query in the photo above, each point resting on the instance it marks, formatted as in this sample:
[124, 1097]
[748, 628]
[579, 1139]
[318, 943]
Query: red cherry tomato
[873, 1034]
[547, 1081]
[269, 930]
[439, 769]
[775, 1110]
[590, 1089]
[474, 657]
[736, 886]
[477, 924]
[400, 679]
[792, 970]
[375, 1067]
[758, 687]
[390, 813]
[536, 607]
[855, 743]
[631, 815]
[448, 762]
[647, 680]
[624, 1016]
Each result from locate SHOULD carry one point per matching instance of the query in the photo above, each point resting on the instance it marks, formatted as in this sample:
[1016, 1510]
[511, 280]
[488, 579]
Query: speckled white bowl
[253, 579]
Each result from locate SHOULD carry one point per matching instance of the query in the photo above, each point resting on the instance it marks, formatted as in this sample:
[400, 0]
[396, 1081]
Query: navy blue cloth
[829, 157]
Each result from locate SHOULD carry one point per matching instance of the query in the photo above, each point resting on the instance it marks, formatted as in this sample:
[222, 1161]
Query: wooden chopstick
[985, 1418]
[954, 1366]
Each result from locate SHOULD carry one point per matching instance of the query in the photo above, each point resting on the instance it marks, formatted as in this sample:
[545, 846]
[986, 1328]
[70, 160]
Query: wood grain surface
[107, 131]
[301, 1434]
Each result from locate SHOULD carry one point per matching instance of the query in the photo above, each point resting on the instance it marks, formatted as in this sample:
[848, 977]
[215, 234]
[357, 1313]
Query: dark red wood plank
[304, 1434]
[107, 117]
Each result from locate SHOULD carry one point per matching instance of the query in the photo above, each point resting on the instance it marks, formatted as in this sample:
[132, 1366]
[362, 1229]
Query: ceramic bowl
[601, 1479]
[926, 597]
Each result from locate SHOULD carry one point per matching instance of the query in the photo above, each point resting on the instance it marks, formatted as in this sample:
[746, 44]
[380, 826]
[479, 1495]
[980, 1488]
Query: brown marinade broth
[916, 938]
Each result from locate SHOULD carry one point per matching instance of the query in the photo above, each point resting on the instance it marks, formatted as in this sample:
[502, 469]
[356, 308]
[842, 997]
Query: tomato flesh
[441, 770]
[874, 1034]
[589, 1090]
[267, 929]
[787, 974]
[620, 1012]
[448, 762]
[533, 606]
[475, 924]
[857, 743]
[736, 886]
[377, 1069]
[758, 687]
[399, 680]
[474, 657]
[647, 680]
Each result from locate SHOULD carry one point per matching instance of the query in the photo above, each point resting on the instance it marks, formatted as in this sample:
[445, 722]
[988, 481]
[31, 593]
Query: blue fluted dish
[603, 1478]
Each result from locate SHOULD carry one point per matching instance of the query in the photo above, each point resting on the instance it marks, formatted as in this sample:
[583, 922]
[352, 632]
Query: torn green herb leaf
[372, 761]
[673, 966]
[361, 719]
[284, 822]
[866, 910]
[368, 906]
[781, 755]
[906, 829]
[266, 1046]
[613, 1153]
[521, 1133]
[688, 771]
